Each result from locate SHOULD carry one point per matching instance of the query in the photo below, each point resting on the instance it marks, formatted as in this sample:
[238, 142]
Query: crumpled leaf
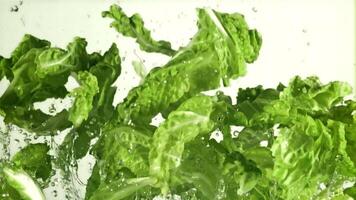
[134, 27]
[191, 119]
[121, 189]
[21, 182]
[37, 77]
[83, 95]
[210, 57]
[34, 159]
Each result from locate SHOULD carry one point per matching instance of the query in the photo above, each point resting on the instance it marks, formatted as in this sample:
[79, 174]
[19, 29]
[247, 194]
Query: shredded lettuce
[295, 141]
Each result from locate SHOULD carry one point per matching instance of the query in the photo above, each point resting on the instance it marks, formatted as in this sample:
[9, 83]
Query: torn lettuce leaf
[293, 142]
[5, 68]
[35, 78]
[123, 147]
[23, 184]
[83, 98]
[134, 27]
[201, 168]
[183, 125]
[37, 72]
[212, 56]
[57, 62]
[27, 173]
[34, 159]
[122, 189]
[122, 154]
[27, 43]
[309, 147]
[105, 68]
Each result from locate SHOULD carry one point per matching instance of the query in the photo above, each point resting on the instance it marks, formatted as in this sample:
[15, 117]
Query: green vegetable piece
[134, 27]
[84, 95]
[40, 72]
[34, 159]
[201, 167]
[56, 61]
[211, 56]
[183, 125]
[27, 43]
[23, 184]
[139, 69]
[106, 71]
[351, 191]
[122, 189]
[124, 147]
[5, 68]
[93, 182]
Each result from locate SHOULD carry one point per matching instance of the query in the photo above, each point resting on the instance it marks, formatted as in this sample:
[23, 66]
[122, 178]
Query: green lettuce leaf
[210, 57]
[183, 125]
[106, 68]
[83, 95]
[56, 61]
[201, 169]
[121, 152]
[122, 189]
[29, 170]
[23, 184]
[34, 159]
[134, 27]
[5, 68]
[123, 147]
[40, 72]
[27, 43]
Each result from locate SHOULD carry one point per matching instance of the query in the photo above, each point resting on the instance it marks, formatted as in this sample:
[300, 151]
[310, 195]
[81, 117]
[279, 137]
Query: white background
[300, 37]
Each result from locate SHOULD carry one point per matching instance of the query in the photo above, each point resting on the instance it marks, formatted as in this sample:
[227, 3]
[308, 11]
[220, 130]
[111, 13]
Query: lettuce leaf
[212, 56]
[29, 170]
[134, 27]
[290, 142]
[83, 98]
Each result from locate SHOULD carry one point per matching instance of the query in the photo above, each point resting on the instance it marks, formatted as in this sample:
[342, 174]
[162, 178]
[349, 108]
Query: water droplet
[254, 9]
[27, 140]
[304, 30]
[5, 195]
[55, 193]
[235, 134]
[264, 143]
[14, 8]
[219, 93]
[304, 90]
[52, 108]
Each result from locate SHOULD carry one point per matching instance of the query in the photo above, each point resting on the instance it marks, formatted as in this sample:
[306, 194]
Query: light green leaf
[23, 184]
[56, 61]
[34, 159]
[208, 59]
[27, 43]
[183, 125]
[122, 189]
[134, 27]
[84, 95]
